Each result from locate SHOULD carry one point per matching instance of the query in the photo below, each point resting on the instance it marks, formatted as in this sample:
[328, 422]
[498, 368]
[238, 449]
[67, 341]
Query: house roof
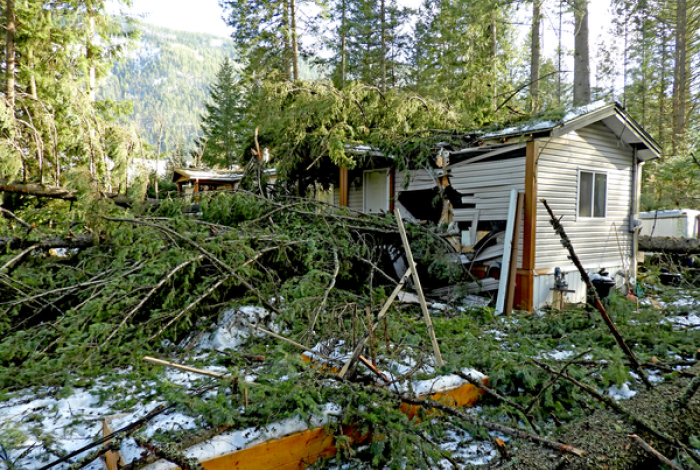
[612, 115]
[185, 174]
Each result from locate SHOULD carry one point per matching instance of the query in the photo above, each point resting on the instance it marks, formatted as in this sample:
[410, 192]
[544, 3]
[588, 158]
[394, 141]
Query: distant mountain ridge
[167, 76]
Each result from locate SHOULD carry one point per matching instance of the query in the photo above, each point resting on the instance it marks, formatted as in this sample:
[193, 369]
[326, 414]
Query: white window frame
[578, 193]
[364, 188]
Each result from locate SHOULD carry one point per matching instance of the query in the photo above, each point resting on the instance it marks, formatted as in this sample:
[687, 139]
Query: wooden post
[344, 187]
[514, 256]
[419, 289]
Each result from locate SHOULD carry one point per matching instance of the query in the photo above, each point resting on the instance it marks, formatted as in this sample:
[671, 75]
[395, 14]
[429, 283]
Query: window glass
[585, 191]
[599, 194]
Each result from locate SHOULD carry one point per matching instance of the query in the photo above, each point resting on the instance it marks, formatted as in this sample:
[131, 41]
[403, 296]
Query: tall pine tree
[222, 120]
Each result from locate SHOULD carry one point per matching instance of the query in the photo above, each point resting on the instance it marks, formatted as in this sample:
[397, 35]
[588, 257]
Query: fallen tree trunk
[57, 192]
[604, 435]
[77, 241]
[678, 246]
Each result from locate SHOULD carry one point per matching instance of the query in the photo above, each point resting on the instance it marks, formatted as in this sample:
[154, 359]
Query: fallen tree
[676, 246]
[57, 192]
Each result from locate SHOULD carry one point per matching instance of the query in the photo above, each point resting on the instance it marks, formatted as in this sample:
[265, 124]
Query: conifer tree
[221, 121]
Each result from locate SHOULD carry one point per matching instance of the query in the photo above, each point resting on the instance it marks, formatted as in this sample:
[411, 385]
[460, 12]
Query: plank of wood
[112, 457]
[419, 290]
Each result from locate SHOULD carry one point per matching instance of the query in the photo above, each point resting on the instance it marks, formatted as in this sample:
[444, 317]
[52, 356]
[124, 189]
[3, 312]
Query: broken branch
[644, 445]
[559, 229]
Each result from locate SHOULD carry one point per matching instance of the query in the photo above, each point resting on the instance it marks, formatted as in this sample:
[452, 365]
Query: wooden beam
[526, 283]
[344, 187]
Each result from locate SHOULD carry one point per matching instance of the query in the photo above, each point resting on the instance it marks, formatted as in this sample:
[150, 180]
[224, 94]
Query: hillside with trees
[166, 74]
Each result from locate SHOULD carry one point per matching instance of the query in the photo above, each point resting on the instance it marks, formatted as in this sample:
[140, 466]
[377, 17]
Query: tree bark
[535, 58]
[78, 241]
[295, 39]
[57, 192]
[383, 63]
[11, 30]
[680, 76]
[343, 46]
[582, 74]
[679, 246]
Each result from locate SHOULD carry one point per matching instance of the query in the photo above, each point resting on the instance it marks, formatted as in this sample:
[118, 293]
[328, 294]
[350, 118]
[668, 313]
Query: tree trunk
[582, 79]
[535, 58]
[494, 62]
[11, 30]
[680, 76]
[559, 58]
[680, 246]
[343, 39]
[383, 61]
[295, 40]
[89, 57]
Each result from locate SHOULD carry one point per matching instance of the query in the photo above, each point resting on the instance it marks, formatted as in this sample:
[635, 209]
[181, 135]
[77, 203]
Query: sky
[204, 16]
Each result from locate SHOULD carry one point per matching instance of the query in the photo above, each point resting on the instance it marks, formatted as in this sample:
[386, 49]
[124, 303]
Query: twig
[174, 456]
[616, 407]
[13, 216]
[552, 382]
[293, 343]
[17, 258]
[644, 445]
[494, 394]
[126, 429]
[427, 403]
[165, 279]
[361, 343]
[559, 229]
[689, 392]
[223, 266]
[327, 292]
[206, 294]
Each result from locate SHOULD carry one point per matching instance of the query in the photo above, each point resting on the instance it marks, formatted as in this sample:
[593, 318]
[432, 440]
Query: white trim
[364, 188]
[578, 193]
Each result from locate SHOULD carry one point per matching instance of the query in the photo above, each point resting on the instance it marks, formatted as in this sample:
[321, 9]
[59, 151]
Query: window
[376, 191]
[592, 192]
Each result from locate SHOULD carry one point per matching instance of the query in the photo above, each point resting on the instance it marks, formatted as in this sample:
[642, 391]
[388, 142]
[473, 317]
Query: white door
[376, 191]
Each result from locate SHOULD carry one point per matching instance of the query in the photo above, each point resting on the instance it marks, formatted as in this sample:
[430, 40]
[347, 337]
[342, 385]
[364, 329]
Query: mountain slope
[167, 76]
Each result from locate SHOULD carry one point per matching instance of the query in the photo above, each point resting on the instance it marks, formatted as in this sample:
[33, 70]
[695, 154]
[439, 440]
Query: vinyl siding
[487, 185]
[598, 242]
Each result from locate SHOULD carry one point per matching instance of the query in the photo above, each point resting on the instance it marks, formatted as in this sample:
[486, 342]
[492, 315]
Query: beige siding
[413, 180]
[487, 185]
[355, 197]
[595, 240]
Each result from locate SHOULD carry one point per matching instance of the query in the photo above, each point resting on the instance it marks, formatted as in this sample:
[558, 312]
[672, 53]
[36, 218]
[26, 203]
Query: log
[57, 192]
[677, 246]
[76, 241]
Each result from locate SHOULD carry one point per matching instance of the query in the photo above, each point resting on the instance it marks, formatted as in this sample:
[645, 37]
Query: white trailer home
[587, 166]
[677, 223]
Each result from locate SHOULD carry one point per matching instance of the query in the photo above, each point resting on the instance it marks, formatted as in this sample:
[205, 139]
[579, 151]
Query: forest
[263, 327]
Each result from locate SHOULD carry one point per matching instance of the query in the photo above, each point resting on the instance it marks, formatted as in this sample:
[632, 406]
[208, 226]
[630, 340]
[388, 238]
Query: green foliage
[222, 116]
